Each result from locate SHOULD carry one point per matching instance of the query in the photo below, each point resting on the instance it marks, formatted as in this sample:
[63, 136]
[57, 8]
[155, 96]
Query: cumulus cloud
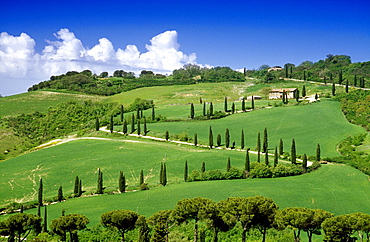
[18, 60]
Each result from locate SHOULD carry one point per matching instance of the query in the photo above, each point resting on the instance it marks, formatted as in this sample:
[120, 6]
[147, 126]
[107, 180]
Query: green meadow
[321, 122]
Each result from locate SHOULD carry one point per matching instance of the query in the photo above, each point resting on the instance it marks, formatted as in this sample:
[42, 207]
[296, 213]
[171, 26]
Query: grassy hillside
[332, 187]
[309, 125]
[38, 101]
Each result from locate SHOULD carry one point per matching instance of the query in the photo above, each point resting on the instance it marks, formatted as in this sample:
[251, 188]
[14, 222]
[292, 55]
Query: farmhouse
[278, 93]
[275, 68]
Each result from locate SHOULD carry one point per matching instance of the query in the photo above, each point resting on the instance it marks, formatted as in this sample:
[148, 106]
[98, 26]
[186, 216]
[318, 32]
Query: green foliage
[122, 220]
[71, 224]
[100, 182]
[19, 226]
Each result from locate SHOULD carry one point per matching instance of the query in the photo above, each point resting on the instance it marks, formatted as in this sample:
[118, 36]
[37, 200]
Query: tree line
[208, 218]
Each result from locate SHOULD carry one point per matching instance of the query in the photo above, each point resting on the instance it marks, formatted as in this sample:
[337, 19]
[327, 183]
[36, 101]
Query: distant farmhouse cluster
[278, 93]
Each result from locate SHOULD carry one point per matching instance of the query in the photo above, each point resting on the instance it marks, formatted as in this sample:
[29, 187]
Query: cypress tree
[291, 71]
[283, 97]
[45, 222]
[38, 210]
[200, 100]
[122, 110]
[347, 86]
[100, 182]
[145, 128]
[60, 194]
[281, 147]
[318, 153]
[218, 140]
[297, 95]
[121, 182]
[259, 156]
[203, 167]
[325, 80]
[153, 114]
[22, 209]
[228, 165]
[132, 123]
[138, 127]
[191, 110]
[141, 114]
[195, 139]
[208, 114]
[316, 96]
[304, 91]
[111, 125]
[211, 109]
[276, 157]
[304, 75]
[164, 179]
[204, 109]
[141, 179]
[210, 138]
[138, 113]
[233, 108]
[40, 193]
[265, 141]
[227, 138]
[243, 104]
[258, 145]
[79, 189]
[124, 127]
[186, 171]
[286, 70]
[225, 105]
[304, 163]
[355, 81]
[242, 140]
[286, 98]
[333, 89]
[77, 183]
[267, 159]
[167, 135]
[247, 161]
[97, 124]
[252, 102]
[293, 158]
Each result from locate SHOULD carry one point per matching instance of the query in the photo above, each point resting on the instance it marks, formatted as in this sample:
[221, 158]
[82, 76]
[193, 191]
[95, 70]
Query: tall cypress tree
[281, 147]
[340, 77]
[138, 113]
[167, 135]
[132, 123]
[121, 182]
[355, 81]
[203, 169]
[40, 193]
[161, 174]
[141, 178]
[252, 105]
[247, 161]
[77, 183]
[195, 139]
[211, 109]
[347, 86]
[304, 75]
[60, 194]
[276, 157]
[258, 144]
[191, 110]
[204, 109]
[218, 140]
[318, 153]
[297, 95]
[124, 127]
[153, 114]
[333, 89]
[100, 182]
[186, 171]
[210, 138]
[265, 141]
[304, 163]
[233, 108]
[138, 127]
[97, 124]
[304, 91]
[227, 138]
[225, 105]
[267, 159]
[121, 113]
[111, 125]
[243, 104]
[293, 158]
[145, 127]
[79, 189]
[228, 165]
[45, 222]
[242, 140]
[164, 179]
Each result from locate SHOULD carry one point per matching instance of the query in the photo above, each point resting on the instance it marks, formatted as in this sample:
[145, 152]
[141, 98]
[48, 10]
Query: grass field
[309, 125]
[38, 101]
[335, 188]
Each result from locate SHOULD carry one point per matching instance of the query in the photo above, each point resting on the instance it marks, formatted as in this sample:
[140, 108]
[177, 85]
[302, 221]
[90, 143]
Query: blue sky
[217, 33]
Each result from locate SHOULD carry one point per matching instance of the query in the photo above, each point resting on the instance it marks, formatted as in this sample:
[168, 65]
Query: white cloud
[18, 60]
